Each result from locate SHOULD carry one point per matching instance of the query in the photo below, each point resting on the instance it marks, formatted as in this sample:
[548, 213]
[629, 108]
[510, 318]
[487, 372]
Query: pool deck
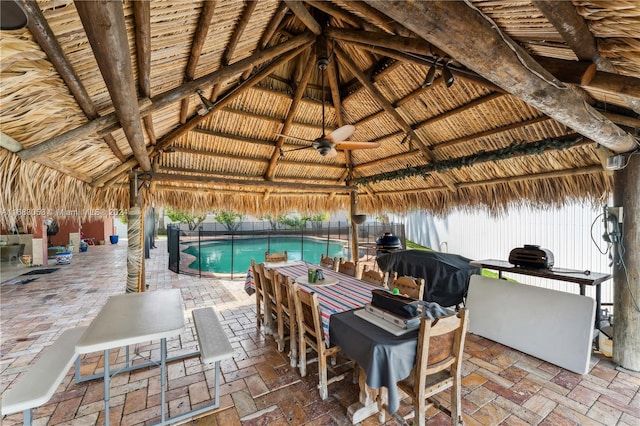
[501, 386]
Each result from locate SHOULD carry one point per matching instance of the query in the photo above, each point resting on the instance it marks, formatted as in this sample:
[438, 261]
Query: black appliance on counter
[387, 243]
[446, 276]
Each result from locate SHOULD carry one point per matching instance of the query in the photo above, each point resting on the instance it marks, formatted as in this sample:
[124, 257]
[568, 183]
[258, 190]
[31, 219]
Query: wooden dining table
[383, 358]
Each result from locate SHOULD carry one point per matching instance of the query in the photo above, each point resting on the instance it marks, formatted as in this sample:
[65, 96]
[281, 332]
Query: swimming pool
[216, 256]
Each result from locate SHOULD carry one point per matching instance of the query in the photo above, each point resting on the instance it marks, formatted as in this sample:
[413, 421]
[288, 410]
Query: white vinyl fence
[571, 233]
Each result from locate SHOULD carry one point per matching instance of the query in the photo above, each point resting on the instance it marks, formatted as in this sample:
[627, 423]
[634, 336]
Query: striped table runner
[347, 294]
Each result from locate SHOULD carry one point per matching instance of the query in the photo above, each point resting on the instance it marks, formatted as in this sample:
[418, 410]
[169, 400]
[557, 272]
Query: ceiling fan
[327, 145]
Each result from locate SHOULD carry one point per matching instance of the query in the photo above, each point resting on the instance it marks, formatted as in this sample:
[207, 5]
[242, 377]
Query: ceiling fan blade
[341, 133]
[331, 154]
[294, 137]
[356, 145]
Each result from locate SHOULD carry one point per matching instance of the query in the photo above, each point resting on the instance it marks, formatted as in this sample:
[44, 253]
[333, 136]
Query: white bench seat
[42, 379]
[214, 348]
[214, 344]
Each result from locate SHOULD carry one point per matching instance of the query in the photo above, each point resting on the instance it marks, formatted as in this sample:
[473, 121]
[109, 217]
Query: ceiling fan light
[12, 16]
[324, 150]
[446, 74]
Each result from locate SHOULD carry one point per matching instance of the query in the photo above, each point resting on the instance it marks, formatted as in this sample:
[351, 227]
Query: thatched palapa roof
[97, 94]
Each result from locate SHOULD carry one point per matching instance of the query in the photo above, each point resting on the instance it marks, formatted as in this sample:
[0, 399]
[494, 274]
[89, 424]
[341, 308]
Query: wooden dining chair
[310, 334]
[375, 277]
[349, 268]
[285, 308]
[438, 366]
[412, 287]
[275, 257]
[257, 279]
[269, 297]
[329, 262]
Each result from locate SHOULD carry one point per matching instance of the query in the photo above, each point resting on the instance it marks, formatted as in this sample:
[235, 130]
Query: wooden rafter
[254, 183]
[268, 175]
[142, 17]
[491, 55]
[178, 132]
[301, 12]
[389, 108]
[204, 21]
[45, 37]
[384, 103]
[274, 24]
[269, 32]
[237, 33]
[167, 98]
[195, 173]
[377, 18]
[331, 10]
[376, 38]
[104, 25]
[458, 72]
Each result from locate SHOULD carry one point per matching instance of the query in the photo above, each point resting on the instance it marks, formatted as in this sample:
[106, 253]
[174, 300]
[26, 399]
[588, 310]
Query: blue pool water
[216, 255]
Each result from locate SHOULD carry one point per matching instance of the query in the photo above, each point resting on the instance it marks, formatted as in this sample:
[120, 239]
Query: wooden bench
[42, 379]
[214, 347]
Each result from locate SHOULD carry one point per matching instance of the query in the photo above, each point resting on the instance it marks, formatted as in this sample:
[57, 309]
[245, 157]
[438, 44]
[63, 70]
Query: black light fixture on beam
[446, 74]
[206, 105]
[12, 16]
[431, 75]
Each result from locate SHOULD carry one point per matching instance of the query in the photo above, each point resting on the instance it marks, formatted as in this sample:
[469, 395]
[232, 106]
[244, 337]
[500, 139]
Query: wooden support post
[354, 227]
[626, 270]
[135, 259]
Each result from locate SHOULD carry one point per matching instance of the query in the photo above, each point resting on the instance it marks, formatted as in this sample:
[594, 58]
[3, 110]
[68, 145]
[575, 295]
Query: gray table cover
[385, 358]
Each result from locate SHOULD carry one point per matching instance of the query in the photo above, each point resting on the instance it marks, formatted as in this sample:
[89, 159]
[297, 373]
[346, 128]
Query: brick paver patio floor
[501, 386]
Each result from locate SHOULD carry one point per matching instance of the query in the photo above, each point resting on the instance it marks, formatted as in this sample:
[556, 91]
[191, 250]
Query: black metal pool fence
[330, 231]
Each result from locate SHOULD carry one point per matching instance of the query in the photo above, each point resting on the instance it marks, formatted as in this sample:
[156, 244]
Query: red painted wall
[99, 229]
[66, 226]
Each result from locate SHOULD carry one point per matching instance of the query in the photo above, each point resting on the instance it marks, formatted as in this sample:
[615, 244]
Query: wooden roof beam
[174, 134]
[167, 98]
[193, 172]
[229, 51]
[506, 180]
[142, 18]
[389, 108]
[269, 32]
[301, 12]
[338, 13]
[384, 103]
[104, 25]
[377, 18]
[46, 39]
[255, 183]
[204, 21]
[268, 175]
[274, 24]
[376, 38]
[492, 55]
[584, 74]
[575, 32]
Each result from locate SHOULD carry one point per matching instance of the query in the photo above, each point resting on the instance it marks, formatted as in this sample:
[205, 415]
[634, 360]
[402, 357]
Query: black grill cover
[446, 276]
